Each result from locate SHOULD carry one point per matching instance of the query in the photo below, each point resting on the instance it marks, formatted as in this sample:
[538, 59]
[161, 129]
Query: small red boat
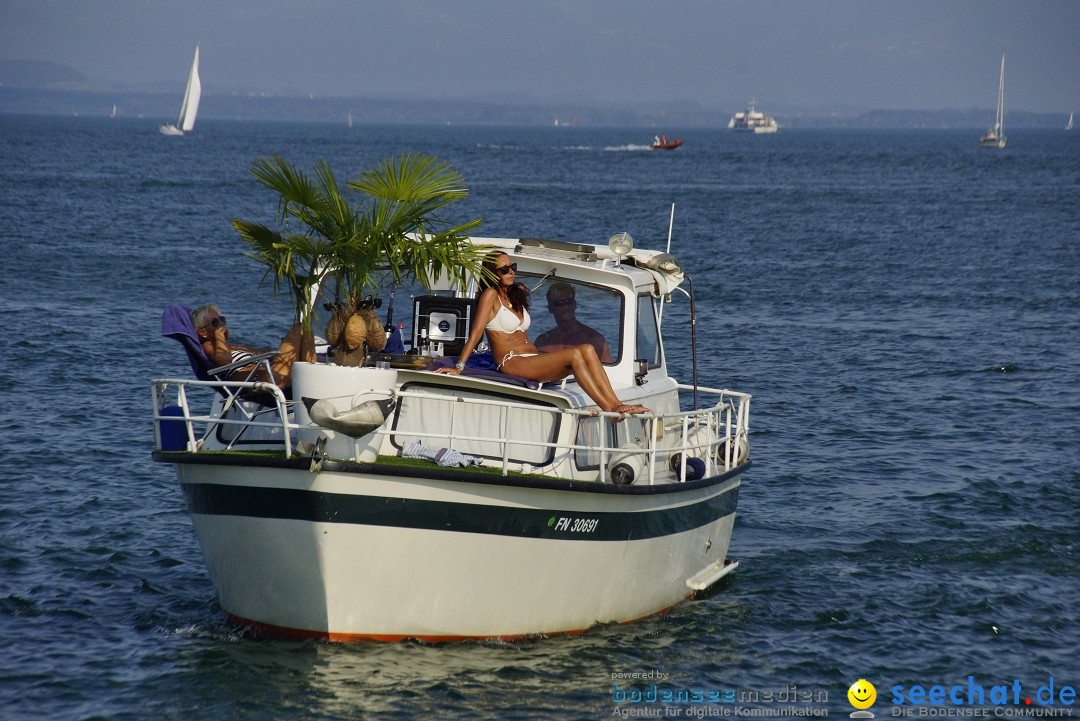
[662, 143]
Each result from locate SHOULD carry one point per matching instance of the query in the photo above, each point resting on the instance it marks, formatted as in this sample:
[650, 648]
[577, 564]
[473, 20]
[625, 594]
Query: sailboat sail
[1068, 125]
[190, 107]
[192, 95]
[995, 137]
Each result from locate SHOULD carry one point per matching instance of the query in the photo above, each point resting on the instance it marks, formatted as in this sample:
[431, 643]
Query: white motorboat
[995, 136]
[341, 515]
[752, 120]
[189, 108]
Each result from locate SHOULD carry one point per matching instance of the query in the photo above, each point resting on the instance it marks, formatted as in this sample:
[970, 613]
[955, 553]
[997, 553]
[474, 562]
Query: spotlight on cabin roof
[621, 244]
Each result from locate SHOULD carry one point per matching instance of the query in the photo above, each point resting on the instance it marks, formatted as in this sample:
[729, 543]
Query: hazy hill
[37, 74]
[37, 87]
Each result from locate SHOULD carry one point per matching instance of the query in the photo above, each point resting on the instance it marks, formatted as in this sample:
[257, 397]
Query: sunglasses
[216, 322]
[506, 269]
[560, 303]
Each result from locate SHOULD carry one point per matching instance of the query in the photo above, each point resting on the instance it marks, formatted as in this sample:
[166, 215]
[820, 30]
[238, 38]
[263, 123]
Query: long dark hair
[517, 293]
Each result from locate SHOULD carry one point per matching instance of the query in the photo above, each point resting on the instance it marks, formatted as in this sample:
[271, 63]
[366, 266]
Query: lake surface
[903, 305]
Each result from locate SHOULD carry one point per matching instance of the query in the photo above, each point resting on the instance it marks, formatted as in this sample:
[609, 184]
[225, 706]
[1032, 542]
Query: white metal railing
[232, 400]
[717, 435]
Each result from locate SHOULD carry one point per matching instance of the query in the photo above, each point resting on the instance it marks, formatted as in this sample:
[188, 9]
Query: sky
[806, 54]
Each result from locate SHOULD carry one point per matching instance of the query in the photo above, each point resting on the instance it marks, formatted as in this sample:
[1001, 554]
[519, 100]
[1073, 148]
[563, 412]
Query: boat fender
[742, 450]
[695, 467]
[627, 467]
[356, 422]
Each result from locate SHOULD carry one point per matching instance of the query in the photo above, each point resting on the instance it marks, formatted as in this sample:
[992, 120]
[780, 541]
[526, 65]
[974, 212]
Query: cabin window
[565, 313]
[648, 334]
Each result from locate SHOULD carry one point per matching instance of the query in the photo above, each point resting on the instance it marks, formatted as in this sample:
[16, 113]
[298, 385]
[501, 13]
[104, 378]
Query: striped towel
[443, 456]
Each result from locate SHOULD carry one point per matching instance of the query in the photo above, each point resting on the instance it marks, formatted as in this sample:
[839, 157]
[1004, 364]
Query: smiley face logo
[862, 694]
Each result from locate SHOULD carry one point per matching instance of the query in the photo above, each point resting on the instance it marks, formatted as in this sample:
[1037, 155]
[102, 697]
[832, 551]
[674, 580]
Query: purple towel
[491, 375]
[176, 324]
[177, 319]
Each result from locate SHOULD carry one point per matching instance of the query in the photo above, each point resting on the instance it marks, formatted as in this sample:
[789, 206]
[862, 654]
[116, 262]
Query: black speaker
[442, 319]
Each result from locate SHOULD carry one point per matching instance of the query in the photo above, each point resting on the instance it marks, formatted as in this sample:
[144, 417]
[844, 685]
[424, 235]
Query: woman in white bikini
[505, 307]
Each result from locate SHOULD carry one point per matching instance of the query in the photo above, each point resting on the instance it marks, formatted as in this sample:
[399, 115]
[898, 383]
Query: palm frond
[400, 228]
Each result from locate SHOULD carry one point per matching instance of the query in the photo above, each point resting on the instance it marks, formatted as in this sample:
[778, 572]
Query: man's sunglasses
[560, 303]
[216, 322]
[506, 269]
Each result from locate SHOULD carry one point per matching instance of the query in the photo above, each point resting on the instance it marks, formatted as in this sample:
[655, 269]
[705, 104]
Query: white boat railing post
[505, 427]
[712, 422]
[684, 448]
[185, 408]
[453, 423]
[729, 441]
[157, 415]
[283, 414]
[652, 450]
[603, 475]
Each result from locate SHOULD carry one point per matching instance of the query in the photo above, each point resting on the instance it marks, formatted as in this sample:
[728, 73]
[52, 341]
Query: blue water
[903, 306]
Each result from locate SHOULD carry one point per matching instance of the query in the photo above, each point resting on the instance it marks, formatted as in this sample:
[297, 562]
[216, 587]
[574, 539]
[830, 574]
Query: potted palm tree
[395, 234]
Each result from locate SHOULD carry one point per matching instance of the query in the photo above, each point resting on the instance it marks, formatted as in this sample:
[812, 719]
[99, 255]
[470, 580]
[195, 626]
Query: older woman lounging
[213, 333]
[503, 311]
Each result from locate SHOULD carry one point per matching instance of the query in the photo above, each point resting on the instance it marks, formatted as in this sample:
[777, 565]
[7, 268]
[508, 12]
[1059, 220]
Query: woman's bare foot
[625, 409]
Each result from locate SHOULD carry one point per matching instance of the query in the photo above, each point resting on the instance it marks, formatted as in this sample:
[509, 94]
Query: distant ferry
[752, 121]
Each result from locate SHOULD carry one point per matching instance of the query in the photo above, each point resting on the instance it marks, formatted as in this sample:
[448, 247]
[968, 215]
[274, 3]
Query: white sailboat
[1068, 125]
[995, 136]
[186, 122]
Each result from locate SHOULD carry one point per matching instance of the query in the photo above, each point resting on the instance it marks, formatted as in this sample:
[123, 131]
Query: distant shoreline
[369, 111]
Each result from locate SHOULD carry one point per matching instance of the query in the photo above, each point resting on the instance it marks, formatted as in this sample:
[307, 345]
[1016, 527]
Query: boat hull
[170, 130]
[757, 129]
[354, 553]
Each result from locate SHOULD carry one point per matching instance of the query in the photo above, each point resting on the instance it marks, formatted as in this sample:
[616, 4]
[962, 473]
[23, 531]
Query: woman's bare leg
[295, 346]
[583, 362]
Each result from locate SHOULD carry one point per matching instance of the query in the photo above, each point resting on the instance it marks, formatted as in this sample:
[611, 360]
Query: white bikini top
[506, 322]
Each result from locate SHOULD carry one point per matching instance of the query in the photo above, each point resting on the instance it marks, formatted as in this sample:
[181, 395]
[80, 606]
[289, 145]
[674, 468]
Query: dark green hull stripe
[319, 507]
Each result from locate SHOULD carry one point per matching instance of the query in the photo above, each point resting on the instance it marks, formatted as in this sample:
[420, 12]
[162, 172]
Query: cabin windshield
[566, 313]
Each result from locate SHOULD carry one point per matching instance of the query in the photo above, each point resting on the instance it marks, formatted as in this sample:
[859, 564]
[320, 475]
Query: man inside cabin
[568, 330]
